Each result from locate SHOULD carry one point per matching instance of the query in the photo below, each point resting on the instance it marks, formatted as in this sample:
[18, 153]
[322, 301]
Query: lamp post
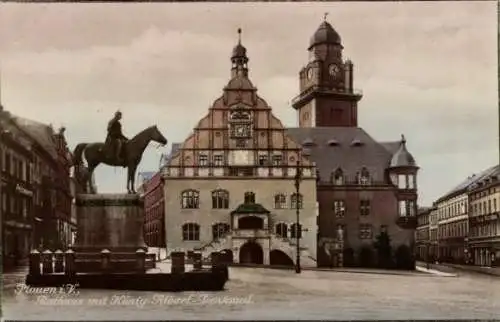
[298, 178]
[427, 255]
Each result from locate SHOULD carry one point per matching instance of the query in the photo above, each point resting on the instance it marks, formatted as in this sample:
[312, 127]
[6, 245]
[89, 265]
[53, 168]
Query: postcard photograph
[197, 161]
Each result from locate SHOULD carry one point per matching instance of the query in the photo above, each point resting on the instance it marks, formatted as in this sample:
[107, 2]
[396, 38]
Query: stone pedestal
[111, 222]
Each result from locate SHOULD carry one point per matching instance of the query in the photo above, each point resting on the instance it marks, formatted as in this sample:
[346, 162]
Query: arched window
[338, 177]
[190, 231]
[294, 231]
[220, 199]
[279, 201]
[190, 199]
[363, 177]
[219, 230]
[296, 199]
[282, 230]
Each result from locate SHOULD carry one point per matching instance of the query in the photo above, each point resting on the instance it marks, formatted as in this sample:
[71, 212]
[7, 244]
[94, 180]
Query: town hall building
[230, 186]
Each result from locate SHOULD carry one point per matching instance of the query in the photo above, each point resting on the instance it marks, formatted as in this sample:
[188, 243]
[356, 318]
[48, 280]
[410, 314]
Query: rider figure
[115, 138]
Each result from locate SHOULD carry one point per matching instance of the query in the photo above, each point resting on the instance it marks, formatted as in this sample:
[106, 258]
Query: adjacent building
[154, 211]
[453, 223]
[484, 219]
[36, 196]
[16, 192]
[433, 234]
[422, 237]
[364, 187]
[231, 184]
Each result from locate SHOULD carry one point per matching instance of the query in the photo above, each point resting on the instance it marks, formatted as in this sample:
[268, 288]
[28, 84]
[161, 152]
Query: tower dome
[402, 158]
[325, 34]
[239, 51]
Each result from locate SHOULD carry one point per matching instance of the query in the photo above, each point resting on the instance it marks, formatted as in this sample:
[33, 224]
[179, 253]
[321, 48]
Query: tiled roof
[353, 149]
[39, 132]
[464, 185]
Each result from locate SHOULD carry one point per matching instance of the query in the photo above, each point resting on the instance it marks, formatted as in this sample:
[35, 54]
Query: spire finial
[325, 15]
[239, 35]
[403, 139]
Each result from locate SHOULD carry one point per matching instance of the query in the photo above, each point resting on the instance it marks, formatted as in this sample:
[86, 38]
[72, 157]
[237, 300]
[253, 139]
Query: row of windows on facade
[423, 220]
[454, 229]
[422, 234]
[23, 169]
[19, 205]
[406, 207]
[484, 193]
[488, 229]
[485, 207]
[191, 231]
[16, 166]
[456, 209]
[190, 199]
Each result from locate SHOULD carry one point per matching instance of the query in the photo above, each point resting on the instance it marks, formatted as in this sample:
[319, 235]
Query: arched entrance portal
[277, 257]
[250, 222]
[251, 253]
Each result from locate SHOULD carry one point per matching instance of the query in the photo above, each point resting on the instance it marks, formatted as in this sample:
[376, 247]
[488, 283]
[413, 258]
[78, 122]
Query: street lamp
[298, 179]
[427, 255]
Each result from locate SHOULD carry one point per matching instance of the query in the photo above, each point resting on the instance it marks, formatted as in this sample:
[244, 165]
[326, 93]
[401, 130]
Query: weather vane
[239, 35]
[324, 17]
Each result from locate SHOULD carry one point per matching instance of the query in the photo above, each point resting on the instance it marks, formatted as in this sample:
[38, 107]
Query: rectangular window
[218, 160]
[277, 159]
[339, 208]
[364, 207]
[494, 205]
[203, 160]
[365, 231]
[263, 160]
[402, 208]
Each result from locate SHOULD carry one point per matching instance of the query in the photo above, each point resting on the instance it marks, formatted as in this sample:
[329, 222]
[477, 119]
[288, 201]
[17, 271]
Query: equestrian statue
[117, 151]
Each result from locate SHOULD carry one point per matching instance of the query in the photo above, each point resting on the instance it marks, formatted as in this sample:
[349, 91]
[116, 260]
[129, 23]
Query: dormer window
[338, 177]
[333, 142]
[363, 177]
[356, 142]
[308, 142]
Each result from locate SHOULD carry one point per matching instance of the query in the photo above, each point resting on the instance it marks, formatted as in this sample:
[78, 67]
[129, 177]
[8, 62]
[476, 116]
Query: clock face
[334, 70]
[309, 73]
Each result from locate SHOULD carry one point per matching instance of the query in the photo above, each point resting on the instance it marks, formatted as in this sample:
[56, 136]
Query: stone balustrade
[59, 262]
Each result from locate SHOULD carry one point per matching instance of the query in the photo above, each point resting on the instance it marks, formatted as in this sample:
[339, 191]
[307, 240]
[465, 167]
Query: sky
[427, 70]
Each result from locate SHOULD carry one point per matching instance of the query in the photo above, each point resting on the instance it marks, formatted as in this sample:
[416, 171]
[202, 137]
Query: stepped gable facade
[230, 185]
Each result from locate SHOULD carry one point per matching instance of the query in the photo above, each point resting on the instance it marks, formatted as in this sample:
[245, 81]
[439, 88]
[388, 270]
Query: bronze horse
[96, 153]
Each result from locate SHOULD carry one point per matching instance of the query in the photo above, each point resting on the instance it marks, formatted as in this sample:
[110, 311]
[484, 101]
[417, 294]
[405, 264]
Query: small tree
[404, 258]
[366, 257]
[348, 256]
[384, 250]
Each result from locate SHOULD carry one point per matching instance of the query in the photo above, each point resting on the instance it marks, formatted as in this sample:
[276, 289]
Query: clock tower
[327, 97]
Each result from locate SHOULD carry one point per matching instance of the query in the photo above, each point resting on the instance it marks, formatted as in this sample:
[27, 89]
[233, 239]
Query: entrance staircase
[286, 245]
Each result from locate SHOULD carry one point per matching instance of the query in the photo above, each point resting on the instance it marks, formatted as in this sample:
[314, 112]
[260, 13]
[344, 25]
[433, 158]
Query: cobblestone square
[276, 294]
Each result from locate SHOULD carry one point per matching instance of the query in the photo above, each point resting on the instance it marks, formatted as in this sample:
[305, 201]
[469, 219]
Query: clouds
[427, 69]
